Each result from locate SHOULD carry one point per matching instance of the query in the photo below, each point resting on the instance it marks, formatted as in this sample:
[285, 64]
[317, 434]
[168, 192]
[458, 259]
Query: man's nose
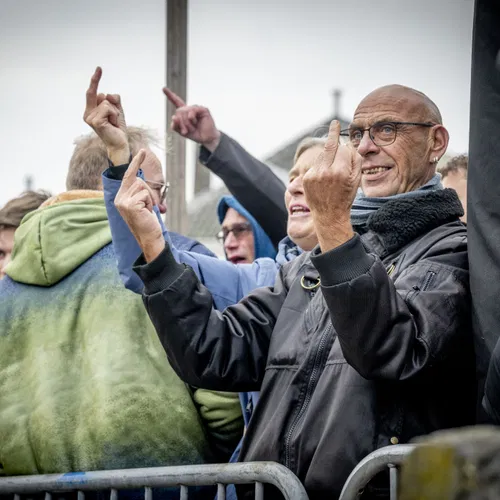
[230, 243]
[366, 145]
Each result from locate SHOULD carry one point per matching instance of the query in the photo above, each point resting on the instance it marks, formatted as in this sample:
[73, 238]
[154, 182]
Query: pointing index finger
[131, 173]
[173, 98]
[92, 90]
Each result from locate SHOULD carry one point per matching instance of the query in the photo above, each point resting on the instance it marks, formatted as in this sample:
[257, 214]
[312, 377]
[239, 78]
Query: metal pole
[176, 80]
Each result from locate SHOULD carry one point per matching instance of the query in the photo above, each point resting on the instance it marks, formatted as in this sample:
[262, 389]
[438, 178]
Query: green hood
[53, 241]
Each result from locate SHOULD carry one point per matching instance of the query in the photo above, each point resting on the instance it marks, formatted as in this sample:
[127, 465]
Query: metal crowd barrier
[259, 473]
[388, 457]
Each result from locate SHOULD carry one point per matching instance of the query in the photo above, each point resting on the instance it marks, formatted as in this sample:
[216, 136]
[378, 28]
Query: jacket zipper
[428, 280]
[313, 379]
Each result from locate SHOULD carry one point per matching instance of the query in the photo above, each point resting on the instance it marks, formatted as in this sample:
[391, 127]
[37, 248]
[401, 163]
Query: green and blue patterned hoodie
[84, 381]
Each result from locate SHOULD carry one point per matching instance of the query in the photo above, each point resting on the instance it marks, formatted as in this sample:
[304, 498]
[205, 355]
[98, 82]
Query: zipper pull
[391, 268]
[311, 288]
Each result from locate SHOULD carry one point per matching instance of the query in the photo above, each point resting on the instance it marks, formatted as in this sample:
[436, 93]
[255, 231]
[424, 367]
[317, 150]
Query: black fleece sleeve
[395, 329]
[209, 349]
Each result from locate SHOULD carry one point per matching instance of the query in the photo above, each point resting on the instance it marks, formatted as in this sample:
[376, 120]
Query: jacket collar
[401, 221]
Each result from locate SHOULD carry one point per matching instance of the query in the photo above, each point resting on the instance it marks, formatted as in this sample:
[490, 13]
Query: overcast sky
[265, 68]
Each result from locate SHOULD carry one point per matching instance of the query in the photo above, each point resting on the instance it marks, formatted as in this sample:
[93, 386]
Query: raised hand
[135, 202]
[193, 122]
[104, 113]
[330, 187]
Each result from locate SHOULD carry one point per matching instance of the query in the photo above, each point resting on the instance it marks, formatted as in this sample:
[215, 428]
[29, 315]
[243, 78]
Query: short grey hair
[90, 157]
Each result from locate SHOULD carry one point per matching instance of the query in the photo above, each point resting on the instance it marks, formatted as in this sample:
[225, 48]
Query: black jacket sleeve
[209, 349]
[252, 183]
[395, 330]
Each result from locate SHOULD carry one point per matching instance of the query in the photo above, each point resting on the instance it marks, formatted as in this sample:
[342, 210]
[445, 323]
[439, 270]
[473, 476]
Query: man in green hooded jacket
[84, 381]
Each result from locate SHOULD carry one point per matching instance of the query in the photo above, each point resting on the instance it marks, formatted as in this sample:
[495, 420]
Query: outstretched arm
[220, 351]
[252, 182]
[135, 222]
[104, 113]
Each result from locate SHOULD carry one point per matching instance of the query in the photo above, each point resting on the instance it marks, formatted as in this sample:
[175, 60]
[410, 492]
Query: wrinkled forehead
[391, 104]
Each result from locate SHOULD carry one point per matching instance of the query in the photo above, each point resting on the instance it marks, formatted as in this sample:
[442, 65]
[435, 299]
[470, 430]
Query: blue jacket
[227, 282]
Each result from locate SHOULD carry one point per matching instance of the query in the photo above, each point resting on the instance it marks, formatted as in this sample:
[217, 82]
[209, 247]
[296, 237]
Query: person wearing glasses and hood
[243, 238]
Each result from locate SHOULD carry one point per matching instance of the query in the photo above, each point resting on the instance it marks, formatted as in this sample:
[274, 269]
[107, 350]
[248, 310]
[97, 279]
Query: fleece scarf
[364, 206]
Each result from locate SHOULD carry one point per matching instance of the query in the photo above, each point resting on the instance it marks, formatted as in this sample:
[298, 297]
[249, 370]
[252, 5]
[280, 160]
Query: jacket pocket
[423, 285]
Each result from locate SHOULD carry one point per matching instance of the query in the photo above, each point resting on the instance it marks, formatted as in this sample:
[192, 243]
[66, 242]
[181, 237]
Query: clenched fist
[330, 187]
[135, 202]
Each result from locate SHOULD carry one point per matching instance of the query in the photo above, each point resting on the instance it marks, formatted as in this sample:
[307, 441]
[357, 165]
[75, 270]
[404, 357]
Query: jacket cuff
[116, 173]
[208, 158]
[342, 264]
[160, 273]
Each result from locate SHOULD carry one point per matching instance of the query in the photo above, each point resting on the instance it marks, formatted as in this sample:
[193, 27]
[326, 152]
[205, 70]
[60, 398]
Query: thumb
[131, 173]
[332, 143]
[173, 98]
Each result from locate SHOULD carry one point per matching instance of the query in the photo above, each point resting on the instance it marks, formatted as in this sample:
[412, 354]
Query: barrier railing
[388, 457]
[259, 473]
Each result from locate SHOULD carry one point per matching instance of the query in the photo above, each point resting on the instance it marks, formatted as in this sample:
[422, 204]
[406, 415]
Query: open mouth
[298, 210]
[237, 259]
[375, 170]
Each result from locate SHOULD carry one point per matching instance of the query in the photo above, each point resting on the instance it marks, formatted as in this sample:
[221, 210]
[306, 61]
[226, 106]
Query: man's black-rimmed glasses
[238, 231]
[381, 133]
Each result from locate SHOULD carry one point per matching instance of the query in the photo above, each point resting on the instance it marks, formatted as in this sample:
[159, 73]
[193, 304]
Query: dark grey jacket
[252, 183]
[382, 354]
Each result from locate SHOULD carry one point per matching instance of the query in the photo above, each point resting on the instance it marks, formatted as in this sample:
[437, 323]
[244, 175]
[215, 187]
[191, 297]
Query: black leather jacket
[380, 352]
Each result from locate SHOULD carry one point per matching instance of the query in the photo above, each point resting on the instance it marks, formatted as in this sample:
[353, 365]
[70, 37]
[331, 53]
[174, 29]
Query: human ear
[438, 142]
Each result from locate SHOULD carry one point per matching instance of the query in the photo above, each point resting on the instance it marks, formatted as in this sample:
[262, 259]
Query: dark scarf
[363, 206]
